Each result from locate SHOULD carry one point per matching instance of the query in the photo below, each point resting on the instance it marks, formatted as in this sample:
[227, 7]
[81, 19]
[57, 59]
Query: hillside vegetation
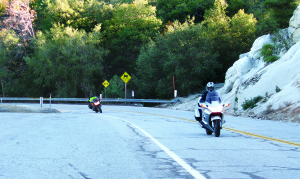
[68, 48]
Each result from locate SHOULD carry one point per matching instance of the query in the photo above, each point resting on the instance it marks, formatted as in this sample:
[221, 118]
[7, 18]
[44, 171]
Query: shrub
[266, 97]
[282, 42]
[269, 110]
[266, 25]
[251, 103]
[236, 99]
[287, 103]
[268, 53]
[277, 89]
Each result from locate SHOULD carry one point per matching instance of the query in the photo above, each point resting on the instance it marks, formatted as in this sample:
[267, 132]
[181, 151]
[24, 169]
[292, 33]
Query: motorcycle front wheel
[95, 108]
[217, 127]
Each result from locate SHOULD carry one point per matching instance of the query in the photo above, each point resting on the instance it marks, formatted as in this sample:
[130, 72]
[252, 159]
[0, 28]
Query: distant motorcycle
[95, 105]
[212, 115]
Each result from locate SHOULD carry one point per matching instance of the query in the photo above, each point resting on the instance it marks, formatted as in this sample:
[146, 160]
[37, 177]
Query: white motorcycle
[212, 115]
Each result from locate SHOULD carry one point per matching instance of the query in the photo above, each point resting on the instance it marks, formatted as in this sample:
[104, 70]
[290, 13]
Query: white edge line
[181, 162]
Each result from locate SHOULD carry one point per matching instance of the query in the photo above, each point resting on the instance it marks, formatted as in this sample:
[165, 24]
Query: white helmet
[210, 86]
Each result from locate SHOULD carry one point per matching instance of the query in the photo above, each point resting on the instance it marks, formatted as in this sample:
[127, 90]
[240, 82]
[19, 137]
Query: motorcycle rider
[211, 93]
[91, 100]
[91, 97]
[205, 97]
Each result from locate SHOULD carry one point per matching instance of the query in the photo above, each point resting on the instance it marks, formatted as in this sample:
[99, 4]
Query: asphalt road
[138, 142]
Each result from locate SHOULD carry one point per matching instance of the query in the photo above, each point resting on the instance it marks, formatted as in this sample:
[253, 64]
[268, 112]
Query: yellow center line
[226, 128]
[263, 137]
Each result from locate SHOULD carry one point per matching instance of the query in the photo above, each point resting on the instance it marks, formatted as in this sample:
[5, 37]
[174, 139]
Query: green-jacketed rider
[91, 100]
[92, 97]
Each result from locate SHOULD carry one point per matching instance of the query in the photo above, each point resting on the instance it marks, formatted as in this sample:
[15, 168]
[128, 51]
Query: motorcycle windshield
[96, 99]
[213, 98]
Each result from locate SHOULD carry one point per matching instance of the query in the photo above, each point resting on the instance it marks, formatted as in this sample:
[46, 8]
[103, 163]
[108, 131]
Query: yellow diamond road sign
[125, 77]
[105, 83]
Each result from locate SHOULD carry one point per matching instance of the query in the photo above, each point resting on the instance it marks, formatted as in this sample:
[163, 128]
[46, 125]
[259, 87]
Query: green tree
[235, 5]
[131, 26]
[77, 14]
[281, 10]
[150, 69]
[115, 88]
[266, 22]
[16, 33]
[266, 25]
[3, 6]
[216, 27]
[230, 36]
[118, 1]
[194, 54]
[8, 45]
[242, 34]
[183, 52]
[66, 60]
[182, 9]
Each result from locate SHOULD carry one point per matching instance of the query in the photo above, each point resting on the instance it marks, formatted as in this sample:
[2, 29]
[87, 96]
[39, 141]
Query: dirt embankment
[26, 109]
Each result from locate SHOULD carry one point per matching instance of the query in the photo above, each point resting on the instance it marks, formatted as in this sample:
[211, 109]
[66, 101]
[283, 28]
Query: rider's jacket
[91, 99]
[203, 97]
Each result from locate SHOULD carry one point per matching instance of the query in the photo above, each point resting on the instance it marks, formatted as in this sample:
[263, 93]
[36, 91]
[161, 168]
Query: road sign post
[50, 101]
[105, 84]
[125, 77]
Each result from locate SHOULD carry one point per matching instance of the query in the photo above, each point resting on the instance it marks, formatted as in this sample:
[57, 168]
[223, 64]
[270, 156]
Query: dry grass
[296, 115]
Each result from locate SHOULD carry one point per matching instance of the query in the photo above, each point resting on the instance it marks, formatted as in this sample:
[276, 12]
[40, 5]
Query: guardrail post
[1, 100]
[50, 101]
[41, 101]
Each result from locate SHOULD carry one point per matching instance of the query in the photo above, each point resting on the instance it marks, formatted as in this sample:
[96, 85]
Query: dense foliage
[268, 54]
[67, 59]
[67, 48]
[130, 26]
[185, 53]
[180, 10]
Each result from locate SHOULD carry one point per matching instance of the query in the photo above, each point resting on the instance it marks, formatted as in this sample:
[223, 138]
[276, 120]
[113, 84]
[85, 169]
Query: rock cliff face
[277, 83]
[295, 25]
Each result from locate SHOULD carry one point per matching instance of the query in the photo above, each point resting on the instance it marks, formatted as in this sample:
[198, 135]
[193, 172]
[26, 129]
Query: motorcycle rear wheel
[208, 132]
[217, 127]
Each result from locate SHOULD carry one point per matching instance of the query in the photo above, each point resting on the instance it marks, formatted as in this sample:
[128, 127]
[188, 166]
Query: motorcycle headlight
[215, 109]
[97, 103]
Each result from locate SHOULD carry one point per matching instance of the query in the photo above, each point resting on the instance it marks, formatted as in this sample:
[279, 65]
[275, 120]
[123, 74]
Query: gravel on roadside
[26, 109]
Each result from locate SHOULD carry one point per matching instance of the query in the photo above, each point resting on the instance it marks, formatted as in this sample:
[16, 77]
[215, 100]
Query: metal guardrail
[112, 100]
